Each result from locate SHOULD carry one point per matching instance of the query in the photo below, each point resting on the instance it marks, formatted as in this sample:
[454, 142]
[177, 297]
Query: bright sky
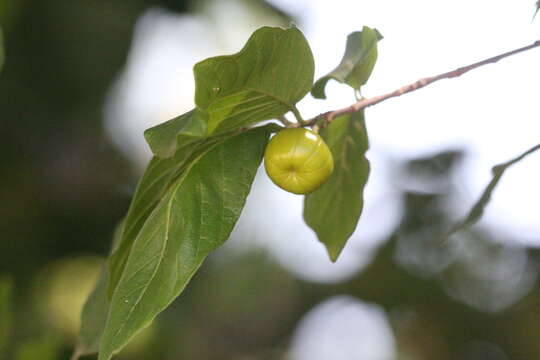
[494, 112]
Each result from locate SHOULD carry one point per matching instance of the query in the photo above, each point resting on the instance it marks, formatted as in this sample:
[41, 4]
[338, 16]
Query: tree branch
[328, 116]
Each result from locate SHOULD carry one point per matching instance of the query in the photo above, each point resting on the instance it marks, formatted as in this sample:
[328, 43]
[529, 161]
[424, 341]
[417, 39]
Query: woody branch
[328, 116]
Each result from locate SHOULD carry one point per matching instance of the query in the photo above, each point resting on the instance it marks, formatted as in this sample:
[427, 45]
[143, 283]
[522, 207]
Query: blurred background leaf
[478, 208]
[46, 348]
[6, 313]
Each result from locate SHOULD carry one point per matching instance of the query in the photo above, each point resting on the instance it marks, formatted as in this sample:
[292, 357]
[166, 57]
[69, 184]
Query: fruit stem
[358, 95]
[284, 121]
[298, 117]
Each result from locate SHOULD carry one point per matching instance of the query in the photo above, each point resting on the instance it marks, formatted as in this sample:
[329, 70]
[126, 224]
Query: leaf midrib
[177, 186]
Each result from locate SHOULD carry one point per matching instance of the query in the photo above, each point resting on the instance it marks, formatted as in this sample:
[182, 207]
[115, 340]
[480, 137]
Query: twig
[366, 102]
[299, 119]
[478, 208]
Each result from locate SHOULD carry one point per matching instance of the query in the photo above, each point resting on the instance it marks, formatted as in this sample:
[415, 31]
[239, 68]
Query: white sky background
[494, 111]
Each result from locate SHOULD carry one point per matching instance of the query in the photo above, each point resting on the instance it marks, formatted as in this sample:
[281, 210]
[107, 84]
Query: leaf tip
[333, 252]
[378, 34]
[148, 136]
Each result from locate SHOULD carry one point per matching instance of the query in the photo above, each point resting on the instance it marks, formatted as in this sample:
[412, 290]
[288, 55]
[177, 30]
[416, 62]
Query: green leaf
[96, 308]
[5, 314]
[537, 8]
[478, 208]
[333, 210]
[164, 139]
[196, 216]
[357, 62]
[263, 81]
[159, 176]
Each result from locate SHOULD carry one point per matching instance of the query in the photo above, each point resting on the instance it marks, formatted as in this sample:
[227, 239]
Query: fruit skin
[298, 160]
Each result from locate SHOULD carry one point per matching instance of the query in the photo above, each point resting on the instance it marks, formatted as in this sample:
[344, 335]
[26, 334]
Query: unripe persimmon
[298, 160]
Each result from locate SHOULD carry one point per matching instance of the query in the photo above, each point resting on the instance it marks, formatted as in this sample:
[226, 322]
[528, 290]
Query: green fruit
[298, 160]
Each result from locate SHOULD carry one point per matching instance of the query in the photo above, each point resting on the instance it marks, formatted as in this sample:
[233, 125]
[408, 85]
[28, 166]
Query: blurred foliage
[5, 314]
[64, 187]
[2, 55]
[46, 348]
[478, 208]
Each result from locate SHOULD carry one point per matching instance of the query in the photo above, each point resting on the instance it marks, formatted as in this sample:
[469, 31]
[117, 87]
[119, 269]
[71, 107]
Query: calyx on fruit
[298, 160]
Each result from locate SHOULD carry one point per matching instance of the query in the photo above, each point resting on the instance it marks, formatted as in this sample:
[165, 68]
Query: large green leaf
[196, 216]
[159, 176]
[263, 81]
[478, 208]
[357, 62]
[333, 210]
